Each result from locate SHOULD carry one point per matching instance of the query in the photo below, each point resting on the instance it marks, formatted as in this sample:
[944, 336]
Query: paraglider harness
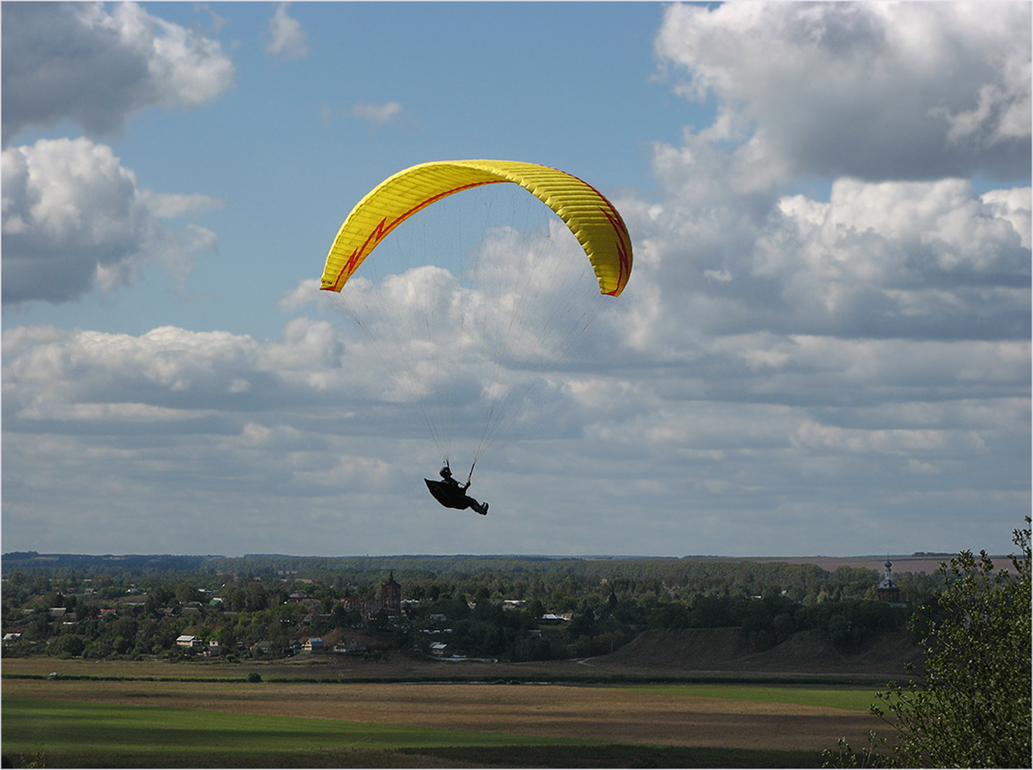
[451, 494]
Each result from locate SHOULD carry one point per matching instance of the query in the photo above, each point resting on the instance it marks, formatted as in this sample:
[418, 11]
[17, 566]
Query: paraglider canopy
[590, 216]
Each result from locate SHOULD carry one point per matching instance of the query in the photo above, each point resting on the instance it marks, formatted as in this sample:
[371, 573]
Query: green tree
[69, 645]
[974, 709]
[185, 593]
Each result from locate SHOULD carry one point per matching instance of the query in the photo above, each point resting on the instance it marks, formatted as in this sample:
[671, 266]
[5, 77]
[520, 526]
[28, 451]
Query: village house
[302, 598]
[350, 647]
[320, 644]
[313, 644]
[554, 616]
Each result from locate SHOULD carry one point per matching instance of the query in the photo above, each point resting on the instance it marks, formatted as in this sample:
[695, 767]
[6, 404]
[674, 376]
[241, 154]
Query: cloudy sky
[824, 347]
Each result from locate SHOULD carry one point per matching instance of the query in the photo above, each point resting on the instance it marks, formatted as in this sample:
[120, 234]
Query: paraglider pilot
[451, 494]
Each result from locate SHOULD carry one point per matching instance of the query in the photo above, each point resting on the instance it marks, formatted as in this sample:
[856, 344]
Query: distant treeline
[89, 565]
[509, 577]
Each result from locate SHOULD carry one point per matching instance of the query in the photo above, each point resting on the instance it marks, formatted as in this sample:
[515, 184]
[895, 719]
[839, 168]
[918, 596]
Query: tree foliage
[974, 708]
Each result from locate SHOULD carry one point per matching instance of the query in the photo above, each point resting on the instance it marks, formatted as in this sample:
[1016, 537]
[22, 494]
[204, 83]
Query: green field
[852, 699]
[73, 726]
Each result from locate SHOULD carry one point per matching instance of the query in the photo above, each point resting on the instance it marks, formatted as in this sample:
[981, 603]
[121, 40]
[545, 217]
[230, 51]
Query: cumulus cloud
[890, 103]
[73, 218]
[920, 260]
[213, 417]
[287, 38]
[78, 62]
[880, 91]
[175, 418]
[174, 382]
[171, 380]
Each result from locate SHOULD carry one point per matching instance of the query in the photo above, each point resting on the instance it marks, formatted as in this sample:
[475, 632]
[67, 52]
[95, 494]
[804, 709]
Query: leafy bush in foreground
[974, 709]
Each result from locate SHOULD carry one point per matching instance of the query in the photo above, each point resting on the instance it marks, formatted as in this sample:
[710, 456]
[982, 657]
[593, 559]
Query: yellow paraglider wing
[590, 216]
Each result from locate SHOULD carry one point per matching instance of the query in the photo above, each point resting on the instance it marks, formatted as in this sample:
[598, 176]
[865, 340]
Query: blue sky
[823, 349]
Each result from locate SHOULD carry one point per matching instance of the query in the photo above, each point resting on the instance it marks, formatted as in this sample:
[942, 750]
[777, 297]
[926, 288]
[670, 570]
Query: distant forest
[505, 607]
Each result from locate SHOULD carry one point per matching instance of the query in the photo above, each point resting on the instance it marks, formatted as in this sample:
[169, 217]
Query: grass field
[111, 720]
[852, 699]
[76, 729]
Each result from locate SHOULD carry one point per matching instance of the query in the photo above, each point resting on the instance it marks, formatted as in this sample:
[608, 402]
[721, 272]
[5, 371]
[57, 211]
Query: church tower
[391, 596]
[888, 591]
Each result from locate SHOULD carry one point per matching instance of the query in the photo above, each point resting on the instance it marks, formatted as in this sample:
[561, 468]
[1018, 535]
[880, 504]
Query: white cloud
[209, 413]
[306, 292]
[78, 62]
[173, 205]
[879, 91]
[891, 259]
[73, 218]
[1014, 206]
[213, 417]
[288, 39]
[919, 259]
[376, 114]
